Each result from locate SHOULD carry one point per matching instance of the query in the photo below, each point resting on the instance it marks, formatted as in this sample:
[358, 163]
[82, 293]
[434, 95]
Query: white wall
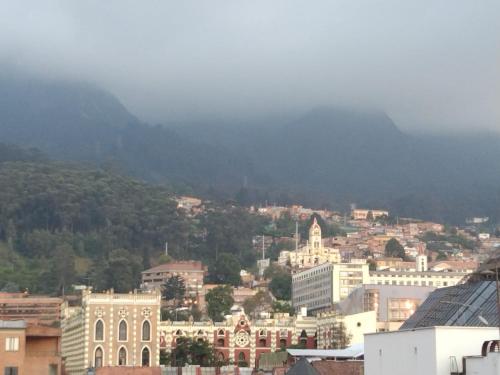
[424, 351]
[460, 342]
[367, 324]
[489, 365]
[400, 352]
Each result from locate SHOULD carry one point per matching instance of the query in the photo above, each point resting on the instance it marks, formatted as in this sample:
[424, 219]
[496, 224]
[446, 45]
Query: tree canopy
[394, 249]
[219, 302]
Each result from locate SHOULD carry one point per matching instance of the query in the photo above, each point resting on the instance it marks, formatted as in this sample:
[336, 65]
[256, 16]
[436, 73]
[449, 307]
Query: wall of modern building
[429, 351]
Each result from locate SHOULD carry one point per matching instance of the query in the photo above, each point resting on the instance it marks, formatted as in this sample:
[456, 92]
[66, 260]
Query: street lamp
[497, 281]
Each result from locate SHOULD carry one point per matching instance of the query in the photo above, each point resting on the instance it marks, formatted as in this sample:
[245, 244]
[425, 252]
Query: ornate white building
[111, 329]
[312, 254]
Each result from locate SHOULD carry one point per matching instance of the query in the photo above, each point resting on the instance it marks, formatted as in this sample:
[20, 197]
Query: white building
[317, 288]
[312, 254]
[425, 351]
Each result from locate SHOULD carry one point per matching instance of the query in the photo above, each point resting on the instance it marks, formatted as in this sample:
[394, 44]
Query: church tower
[315, 236]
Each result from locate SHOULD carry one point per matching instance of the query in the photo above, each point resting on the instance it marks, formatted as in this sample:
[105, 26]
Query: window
[262, 343]
[241, 360]
[145, 357]
[122, 357]
[220, 342]
[98, 358]
[122, 331]
[99, 331]
[11, 344]
[10, 371]
[146, 331]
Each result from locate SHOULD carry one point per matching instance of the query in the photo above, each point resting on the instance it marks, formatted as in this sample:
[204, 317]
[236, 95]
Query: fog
[432, 65]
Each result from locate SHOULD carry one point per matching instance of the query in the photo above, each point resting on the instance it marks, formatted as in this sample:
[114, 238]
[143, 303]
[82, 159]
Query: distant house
[192, 272]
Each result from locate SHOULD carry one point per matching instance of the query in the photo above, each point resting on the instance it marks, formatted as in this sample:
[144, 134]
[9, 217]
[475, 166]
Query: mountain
[329, 156]
[78, 121]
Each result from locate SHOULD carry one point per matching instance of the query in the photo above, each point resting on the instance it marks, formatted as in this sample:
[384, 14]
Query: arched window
[220, 342]
[99, 331]
[241, 360]
[221, 332]
[146, 331]
[145, 357]
[262, 343]
[122, 331]
[122, 357]
[98, 358]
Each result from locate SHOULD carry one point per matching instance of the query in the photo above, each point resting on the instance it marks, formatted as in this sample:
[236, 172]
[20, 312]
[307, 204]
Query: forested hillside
[63, 223]
[328, 157]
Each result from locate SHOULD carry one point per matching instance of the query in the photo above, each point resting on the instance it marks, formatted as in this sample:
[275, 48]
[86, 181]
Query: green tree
[441, 256]
[226, 270]
[193, 352]
[219, 302]
[174, 289]
[283, 307]
[281, 286]
[394, 249]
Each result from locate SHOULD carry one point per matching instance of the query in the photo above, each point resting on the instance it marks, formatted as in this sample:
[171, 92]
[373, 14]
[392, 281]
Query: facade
[192, 272]
[28, 349]
[426, 278]
[312, 254]
[363, 214]
[38, 310]
[393, 304]
[111, 329]
[241, 340]
[318, 288]
[429, 351]
[331, 328]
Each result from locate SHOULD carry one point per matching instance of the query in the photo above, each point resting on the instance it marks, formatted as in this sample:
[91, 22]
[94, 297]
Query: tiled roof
[460, 305]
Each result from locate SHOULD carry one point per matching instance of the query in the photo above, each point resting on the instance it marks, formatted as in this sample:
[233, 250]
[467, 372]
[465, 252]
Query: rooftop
[460, 305]
[189, 265]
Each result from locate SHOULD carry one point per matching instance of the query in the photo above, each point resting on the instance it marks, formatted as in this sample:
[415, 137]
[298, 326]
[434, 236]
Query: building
[364, 214]
[393, 304]
[32, 309]
[318, 288]
[111, 329]
[429, 350]
[192, 272]
[312, 254]
[241, 340]
[436, 279]
[333, 326]
[29, 349]
[469, 304]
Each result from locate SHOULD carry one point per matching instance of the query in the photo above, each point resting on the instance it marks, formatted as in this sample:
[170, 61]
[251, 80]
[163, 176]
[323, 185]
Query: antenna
[263, 248]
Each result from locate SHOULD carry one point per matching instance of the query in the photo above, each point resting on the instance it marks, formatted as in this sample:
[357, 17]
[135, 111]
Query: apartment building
[192, 272]
[29, 349]
[32, 309]
[317, 288]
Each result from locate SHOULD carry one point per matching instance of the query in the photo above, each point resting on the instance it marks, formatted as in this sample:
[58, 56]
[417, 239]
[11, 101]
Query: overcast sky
[430, 64]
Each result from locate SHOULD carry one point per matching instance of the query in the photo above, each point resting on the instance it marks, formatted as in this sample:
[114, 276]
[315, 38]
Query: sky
[432, 65]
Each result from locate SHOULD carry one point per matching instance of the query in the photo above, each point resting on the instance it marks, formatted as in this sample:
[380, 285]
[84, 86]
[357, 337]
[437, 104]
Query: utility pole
[296, 235]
